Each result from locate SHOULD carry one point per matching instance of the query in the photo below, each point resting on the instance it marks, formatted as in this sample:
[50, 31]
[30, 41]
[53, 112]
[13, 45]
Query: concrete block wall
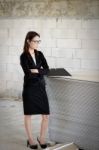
[67, 42]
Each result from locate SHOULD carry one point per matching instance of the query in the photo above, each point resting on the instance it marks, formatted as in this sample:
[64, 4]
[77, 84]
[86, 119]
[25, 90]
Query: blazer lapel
[36, 57]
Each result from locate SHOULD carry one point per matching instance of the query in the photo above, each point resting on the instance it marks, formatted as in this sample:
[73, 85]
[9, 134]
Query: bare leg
[44, 125]
[28, 128]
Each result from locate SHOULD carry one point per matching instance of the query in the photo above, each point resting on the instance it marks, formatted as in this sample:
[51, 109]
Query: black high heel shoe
[34, 146]
[42, 145]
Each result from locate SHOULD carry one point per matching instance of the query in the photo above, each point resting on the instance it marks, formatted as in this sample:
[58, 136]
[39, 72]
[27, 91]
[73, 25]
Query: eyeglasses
[36, 41]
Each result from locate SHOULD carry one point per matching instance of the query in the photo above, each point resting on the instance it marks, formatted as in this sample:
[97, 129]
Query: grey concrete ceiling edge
[79, 9]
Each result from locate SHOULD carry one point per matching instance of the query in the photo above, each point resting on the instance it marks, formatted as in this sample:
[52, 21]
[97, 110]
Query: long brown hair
[29, 36]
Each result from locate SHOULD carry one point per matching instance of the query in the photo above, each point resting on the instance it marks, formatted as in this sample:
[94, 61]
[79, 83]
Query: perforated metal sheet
[74, 106]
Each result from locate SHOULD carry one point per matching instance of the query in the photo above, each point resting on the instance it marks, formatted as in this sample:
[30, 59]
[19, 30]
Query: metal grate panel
[74, 106]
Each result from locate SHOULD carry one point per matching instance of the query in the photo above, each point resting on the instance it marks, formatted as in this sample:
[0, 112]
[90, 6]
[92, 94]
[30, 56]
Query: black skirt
[35, 99]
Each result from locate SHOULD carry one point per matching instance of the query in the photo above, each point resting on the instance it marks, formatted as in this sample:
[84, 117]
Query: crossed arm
[33, 72]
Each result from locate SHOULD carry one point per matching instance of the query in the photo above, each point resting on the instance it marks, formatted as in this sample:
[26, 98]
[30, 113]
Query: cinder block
[51, 62]
[88, 34]
[2, 84]
[46, 51]
[18, 33]
[45, 33]
[64, 33]
[23, 23]
[87, 54]
[15, 50]
[18, 41]
[13, 89]
[69, 23]
[9, 59]
[5, 41]
[69, 43]
[2, 88]
[6, 23]
[90, 44]
[41, 23]
[60, 52]
[2, 67]
[90, 64]
[63, 62]
[48, 43]
[4, 50]
[3, 33]
[13, 85]
[90, 24]
[6, 76]
[76, 64]
[14, 68]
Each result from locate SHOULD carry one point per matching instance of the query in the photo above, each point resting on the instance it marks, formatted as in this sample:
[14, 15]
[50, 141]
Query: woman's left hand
[34, 70]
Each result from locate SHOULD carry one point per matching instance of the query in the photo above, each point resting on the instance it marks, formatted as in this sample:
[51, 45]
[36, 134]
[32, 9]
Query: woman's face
[33, 44]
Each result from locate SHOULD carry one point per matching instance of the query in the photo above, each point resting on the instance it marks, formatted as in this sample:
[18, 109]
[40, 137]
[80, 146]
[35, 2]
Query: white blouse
[33, 56]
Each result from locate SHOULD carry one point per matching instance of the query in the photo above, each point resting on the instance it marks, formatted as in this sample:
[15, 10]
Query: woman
[35, 100]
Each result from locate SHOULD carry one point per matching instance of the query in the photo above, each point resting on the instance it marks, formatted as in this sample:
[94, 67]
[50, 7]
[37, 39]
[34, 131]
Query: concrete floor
[12, 131]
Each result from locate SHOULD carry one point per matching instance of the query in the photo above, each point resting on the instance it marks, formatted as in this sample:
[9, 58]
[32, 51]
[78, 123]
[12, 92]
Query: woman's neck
[31, 50]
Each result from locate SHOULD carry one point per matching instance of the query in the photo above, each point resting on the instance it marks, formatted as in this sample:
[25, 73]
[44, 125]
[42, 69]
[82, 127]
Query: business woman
[35, 100]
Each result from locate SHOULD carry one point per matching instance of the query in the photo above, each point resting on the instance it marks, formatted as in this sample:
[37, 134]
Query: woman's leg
[28, 128]
[44, 126]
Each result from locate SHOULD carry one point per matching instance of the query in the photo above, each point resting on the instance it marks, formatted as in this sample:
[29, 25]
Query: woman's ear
[28, 41]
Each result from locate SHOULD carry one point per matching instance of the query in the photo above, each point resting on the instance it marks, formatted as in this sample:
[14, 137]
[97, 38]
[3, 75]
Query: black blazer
[27, 63]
